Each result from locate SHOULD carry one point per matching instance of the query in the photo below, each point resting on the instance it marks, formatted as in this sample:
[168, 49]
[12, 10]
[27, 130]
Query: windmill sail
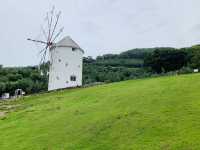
[49, 33]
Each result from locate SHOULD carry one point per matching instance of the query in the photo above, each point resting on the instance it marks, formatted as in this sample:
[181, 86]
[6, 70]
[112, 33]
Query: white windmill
[66, 57]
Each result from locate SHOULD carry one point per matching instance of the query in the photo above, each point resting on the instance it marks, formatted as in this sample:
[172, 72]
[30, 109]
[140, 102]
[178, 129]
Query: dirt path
[2, 114]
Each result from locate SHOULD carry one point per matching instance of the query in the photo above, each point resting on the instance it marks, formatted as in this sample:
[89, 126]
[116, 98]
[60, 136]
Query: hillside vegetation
[131, 64]
[145, 114]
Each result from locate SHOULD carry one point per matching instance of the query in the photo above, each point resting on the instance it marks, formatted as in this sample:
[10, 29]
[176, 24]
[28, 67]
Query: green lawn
[147, 114]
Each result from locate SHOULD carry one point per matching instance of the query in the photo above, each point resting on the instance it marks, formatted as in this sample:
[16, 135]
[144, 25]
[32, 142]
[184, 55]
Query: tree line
[132, 64]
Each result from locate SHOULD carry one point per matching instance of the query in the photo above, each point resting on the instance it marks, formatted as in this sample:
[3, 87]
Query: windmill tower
[65, 56]
[66, 59]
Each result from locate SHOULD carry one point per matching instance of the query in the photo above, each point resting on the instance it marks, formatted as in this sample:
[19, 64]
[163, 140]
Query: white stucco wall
[65, 63]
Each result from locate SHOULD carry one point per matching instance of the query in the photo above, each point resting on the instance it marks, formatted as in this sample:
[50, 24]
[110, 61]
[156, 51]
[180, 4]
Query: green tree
[165, 60]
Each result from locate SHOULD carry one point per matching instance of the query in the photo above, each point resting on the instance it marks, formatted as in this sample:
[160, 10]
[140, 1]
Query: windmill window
[73, 78]
[73, 49]
[57, 78]
[59, 60]
[66, 64]
[79, 66]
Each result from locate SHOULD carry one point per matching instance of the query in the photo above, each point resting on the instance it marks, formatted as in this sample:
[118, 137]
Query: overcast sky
[98, 26]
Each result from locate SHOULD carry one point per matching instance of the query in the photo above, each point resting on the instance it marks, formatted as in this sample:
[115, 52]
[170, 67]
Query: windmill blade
[45, 54]
[44, 51]
[47, 18]
[50, 23]
[40, 52]
[43, 58]
[44, 32]
[53, 8]
[49, 34]
[57, 35]
[37, 44]
[38, 41]
[54, 28]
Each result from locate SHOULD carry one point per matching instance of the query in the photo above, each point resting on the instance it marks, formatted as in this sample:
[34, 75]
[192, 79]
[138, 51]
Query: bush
[166, 60]
[185, 70]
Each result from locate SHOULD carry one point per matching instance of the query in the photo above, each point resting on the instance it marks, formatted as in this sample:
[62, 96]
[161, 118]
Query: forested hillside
[132, 64]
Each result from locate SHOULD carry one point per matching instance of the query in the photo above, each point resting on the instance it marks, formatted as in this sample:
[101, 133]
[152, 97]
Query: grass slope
[158, 114]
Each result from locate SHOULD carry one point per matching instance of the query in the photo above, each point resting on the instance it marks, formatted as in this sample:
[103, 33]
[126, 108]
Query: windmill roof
[68, 42]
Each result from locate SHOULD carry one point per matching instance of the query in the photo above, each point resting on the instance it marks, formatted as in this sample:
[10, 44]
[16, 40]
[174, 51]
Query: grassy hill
[149, 114]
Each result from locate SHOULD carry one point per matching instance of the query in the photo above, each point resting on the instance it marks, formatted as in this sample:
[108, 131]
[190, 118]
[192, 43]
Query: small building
[5, 96]
[19, 93]
[196, 70]
[66, 61]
